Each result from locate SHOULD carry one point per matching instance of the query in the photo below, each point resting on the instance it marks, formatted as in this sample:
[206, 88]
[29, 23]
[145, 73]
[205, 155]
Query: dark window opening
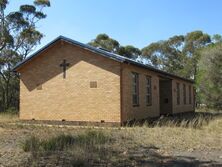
[184, 94]
[178, 93]
[148, 91]
[135, 88]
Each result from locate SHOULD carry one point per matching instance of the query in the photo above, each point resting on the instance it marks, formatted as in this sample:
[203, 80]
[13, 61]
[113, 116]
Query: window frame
[190, 98]
[184, 94]
[148, 93]
[178, 93]
[135, 88]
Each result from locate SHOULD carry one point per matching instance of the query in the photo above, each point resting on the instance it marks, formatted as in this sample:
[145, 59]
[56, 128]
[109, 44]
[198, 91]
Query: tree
[167, 55]
[179, 54]
[154, 52]
[112, 45]
[209, 78]
[104, 41]
[217, 38]
[129, 51]
[18, 38]
[194, 42]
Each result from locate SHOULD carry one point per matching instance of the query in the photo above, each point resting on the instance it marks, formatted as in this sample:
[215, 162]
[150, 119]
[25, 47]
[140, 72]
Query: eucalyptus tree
[19, 36]
[209, 76]
[129, 51]
[105, 42]
[112, 45]
[179, 54]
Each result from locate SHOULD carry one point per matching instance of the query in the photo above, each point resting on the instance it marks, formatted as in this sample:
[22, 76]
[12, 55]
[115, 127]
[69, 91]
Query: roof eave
[84, 46]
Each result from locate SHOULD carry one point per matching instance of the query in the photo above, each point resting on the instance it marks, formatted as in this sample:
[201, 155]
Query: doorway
[165, 96]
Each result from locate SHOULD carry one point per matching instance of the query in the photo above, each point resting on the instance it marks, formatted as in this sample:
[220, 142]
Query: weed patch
[61, 142]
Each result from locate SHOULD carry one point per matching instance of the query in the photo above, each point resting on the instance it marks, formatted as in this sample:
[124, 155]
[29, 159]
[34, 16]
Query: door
[165, 96]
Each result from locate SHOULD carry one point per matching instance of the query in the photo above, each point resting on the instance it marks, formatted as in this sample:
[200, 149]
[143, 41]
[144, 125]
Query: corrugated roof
[101, 52]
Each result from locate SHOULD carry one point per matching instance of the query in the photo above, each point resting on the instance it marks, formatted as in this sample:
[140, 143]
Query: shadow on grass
[191, 119]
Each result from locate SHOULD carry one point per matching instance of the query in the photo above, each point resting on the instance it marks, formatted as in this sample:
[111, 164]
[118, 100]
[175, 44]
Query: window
[184, 94]
[135, 88]
[178, 93]
[148, 91]
[190, 101]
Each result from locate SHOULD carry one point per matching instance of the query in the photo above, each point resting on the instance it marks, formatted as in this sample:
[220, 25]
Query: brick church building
[68, 80]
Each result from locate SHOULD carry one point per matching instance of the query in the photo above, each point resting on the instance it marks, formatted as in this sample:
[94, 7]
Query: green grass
[63, 141]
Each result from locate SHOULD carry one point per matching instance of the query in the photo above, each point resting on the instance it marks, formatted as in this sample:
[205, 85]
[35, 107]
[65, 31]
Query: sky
[131, 22]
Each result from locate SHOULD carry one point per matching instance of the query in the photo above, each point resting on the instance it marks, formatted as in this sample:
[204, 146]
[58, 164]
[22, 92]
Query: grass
[83, 146]
[63, 141]
[199, 132]
[183, 120]
[8, 117]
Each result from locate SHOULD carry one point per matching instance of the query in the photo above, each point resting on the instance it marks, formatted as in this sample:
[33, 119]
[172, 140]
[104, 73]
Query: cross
[64, 65]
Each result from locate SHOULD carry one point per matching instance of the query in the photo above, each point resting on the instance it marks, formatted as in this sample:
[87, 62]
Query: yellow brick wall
[71, 98]
[130, 112]
[142, 111]
[182, 107]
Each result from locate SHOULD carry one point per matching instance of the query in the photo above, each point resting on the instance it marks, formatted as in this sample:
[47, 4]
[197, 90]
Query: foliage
[112, 45]
[129, 51]
[210, 76]
[18, 38]
[104, 41]
[178, 54]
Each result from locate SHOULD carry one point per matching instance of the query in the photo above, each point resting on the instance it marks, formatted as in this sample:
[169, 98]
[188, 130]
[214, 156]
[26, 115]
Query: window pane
[148, 90]
[190, 94]
[184, 94]
[135, 88]
[178, 93]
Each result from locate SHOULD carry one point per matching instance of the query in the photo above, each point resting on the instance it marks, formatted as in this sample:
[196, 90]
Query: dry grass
[8, 117]
[164, 137]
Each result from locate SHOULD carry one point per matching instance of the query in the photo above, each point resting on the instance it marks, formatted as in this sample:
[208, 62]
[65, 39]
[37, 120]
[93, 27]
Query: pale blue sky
[135, 22]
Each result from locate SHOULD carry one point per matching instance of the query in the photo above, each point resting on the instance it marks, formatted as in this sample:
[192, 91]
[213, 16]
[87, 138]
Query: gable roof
[101, 52]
